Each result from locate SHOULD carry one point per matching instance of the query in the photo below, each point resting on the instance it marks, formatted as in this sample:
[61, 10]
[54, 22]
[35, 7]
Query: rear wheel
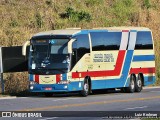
[131, 87]
[85, 90]
[48, 94]
[138, 85]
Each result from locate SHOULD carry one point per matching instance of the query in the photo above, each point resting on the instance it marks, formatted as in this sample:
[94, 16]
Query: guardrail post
[2, 83]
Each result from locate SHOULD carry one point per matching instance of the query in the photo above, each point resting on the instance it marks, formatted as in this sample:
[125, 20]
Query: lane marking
[7, 98]
[48, 118]
[151, 87]
[89, 103]
[136, 108]
[65, 99]
[154, 91]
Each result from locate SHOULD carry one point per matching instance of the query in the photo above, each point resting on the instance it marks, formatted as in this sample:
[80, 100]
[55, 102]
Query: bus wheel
[138, 86]
[131, 87]
[85, 90]
[48, 94]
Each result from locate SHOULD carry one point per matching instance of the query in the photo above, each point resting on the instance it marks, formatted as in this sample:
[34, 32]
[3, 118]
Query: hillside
[20, 19]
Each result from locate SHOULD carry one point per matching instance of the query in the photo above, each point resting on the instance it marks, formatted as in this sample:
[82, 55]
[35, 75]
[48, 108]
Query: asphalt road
[147, 101]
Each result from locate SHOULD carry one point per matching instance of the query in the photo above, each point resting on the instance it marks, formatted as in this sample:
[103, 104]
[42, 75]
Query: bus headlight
[31, 87]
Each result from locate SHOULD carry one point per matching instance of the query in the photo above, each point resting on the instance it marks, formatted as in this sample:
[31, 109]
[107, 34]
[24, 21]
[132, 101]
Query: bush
[76, 16]
[147, 4]
[49, 2]
[13, 23]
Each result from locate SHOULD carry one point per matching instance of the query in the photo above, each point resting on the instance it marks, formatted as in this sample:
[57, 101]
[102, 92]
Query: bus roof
[73, 31]
[58, 32]
[123, 28]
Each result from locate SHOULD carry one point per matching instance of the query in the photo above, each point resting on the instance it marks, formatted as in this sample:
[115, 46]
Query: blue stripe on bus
[64, 76]
[30, 77]
[88, 31]
[143, 58]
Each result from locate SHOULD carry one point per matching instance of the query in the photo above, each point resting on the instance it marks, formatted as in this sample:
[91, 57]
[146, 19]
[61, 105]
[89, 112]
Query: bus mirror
[24, 47]
[70, 45]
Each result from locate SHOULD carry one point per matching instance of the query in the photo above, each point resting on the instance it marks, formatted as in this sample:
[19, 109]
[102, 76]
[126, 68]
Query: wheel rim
[139, 83]
[86, 87]
[132, 85]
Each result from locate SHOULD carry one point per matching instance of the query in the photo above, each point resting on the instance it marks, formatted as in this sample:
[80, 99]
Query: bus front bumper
[74, 86]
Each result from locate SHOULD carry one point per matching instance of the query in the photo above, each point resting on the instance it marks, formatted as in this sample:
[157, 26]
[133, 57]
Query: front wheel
[85, 90]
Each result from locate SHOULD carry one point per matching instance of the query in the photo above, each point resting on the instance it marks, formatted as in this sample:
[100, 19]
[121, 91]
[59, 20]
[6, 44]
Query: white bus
[79, 60]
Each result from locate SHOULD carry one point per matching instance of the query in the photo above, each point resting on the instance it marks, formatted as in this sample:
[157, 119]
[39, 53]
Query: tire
[131, 88]
[138, 85]
[85, 91]
[48, 94]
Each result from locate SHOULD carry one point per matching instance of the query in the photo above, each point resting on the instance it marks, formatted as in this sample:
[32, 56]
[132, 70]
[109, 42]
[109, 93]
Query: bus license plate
[48, 88]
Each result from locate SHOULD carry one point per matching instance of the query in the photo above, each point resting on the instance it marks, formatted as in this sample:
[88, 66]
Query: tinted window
[105, 40]
[59, 46]
[80, 47]
[144, 40]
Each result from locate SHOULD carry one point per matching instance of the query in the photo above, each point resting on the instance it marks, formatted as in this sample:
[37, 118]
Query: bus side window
[83, 46]
[144, 40]
[80, 47]
[102, 41]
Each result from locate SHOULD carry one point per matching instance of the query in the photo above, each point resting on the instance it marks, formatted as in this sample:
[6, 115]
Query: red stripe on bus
[125, 30]
[142, 70]
[58, 78]
[37, 78]
[115, 72]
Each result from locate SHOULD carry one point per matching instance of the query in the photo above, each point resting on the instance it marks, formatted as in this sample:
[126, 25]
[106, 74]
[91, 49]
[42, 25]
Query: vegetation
[20, 19]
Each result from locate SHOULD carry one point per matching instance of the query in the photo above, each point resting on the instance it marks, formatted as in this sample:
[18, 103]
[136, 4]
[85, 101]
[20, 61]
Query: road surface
[147, 101]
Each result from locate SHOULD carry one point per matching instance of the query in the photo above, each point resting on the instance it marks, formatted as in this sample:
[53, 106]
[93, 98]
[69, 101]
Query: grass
[20, 19]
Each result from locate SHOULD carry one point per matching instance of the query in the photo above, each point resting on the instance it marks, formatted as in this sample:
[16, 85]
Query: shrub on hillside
[76, 16]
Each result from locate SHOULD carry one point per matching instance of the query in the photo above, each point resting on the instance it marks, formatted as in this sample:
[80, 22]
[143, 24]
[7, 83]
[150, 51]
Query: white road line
[48, 118]
[154, 91]
[65, 99]
[4, 98]
[151, 87]
[136, 108]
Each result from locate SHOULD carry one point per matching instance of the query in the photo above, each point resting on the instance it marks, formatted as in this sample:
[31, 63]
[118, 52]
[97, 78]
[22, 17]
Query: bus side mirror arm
[24, 47]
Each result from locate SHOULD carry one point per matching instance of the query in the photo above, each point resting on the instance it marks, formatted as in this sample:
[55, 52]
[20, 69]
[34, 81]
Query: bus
[83, 60]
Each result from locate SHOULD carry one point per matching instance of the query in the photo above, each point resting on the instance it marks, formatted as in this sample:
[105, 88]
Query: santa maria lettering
[103, 58]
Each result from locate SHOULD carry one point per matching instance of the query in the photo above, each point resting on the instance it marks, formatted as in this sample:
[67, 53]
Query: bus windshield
[49, 55]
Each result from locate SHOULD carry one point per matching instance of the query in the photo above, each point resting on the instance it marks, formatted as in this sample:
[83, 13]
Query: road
[116, 101]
